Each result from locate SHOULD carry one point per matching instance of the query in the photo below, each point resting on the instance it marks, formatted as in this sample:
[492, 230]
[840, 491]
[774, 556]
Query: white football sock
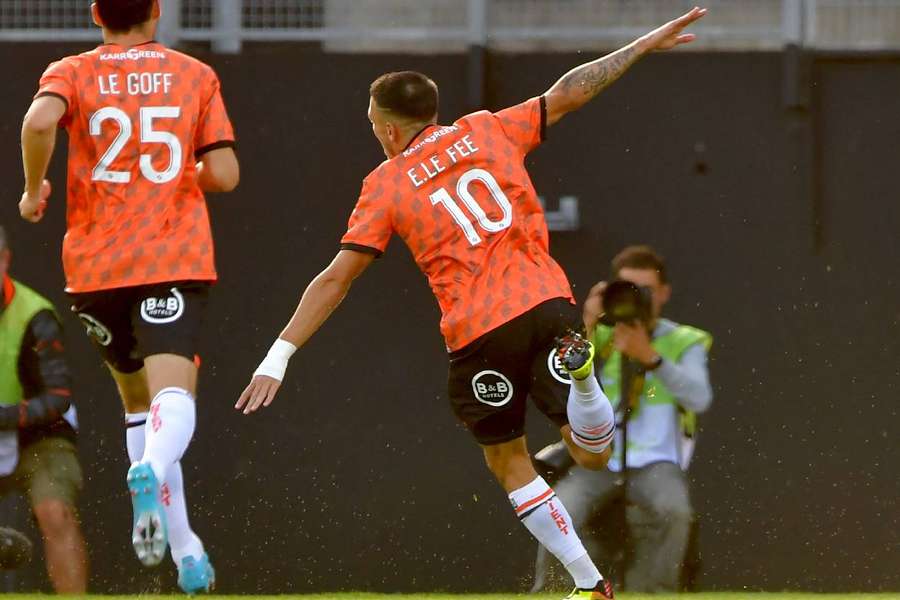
[182, 539]
[134, 435]
[585, 386]
[547, 519]
[584, 572]
[170, 426]
[591, 415]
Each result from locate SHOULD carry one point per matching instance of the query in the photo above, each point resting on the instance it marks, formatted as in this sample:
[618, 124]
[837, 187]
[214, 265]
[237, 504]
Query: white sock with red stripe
[182, 539]
[547, 519]
[170, 426]
[591, 415]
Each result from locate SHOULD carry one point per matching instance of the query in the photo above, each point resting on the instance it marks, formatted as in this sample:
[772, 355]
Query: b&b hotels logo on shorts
[556, 368]
[492, 388]
[163, 310]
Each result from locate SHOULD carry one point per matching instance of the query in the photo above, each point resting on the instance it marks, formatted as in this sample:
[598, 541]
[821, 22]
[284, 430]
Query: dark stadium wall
[358, 477]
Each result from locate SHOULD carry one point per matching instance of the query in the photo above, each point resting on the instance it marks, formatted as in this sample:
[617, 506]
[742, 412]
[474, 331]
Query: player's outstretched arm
[38, 140]
[577, 87]
[321, 297]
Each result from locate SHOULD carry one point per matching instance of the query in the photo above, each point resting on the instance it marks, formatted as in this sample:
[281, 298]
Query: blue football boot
[148, 534]
[196, 576]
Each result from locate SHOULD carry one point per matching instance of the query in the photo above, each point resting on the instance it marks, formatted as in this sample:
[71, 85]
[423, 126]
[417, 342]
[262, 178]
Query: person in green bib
[671, 385]
[38, 426]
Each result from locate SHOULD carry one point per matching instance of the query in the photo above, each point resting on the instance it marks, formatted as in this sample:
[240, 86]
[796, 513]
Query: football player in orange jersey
[148, 134]
[460, 198]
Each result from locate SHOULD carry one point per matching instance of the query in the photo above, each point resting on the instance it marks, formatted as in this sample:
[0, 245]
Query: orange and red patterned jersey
[138, 120]
[461, 199]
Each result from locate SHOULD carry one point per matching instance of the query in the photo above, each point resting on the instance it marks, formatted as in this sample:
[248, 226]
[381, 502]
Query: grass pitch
[558, 596]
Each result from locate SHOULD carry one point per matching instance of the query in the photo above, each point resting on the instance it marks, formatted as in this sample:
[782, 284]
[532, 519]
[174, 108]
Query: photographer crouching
[655, 373]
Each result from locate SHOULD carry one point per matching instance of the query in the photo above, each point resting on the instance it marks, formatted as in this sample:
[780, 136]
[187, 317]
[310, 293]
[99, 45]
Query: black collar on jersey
[415, 137]
[135, 46]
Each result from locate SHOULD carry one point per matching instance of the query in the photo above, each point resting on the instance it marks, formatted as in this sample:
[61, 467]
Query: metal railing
[448, 25]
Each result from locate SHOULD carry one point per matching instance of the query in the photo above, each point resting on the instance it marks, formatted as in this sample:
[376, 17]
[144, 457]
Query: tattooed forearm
[581, 84]
[589, 79]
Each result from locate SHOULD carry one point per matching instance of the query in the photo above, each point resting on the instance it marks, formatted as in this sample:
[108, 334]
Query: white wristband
[276, 361]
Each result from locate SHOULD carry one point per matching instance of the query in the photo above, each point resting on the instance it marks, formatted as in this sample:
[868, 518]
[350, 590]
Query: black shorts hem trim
[126, 367]
[182, 353]
[500, 439]
[363, 248]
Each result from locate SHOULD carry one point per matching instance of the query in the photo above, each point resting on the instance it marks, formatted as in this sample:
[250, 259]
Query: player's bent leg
[148, 531]
[168, 429]
[591, 417]
[592, 461]
[195, 574]
[536, 505]
[578, 490]
[64, 546]
[172, 380]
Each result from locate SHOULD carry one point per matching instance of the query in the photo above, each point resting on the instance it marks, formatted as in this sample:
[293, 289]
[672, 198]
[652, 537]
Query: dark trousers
[658, 518]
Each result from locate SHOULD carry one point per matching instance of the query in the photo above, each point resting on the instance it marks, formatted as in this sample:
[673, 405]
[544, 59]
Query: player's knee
[54, 517]
[510, 464]
[170, 370]
[502, 464]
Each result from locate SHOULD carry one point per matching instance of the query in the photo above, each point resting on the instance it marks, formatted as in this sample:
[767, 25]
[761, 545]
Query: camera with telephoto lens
[625, 302]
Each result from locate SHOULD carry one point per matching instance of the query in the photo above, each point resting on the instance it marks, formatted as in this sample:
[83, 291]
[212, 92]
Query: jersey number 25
[148, 136]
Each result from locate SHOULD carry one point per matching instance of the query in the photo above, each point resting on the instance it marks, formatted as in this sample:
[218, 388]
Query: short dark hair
[407, 93]
[123, 15]
[640, 257]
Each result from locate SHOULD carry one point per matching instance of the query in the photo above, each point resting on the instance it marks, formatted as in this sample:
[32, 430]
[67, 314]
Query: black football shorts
[491, 378]
[129, 324]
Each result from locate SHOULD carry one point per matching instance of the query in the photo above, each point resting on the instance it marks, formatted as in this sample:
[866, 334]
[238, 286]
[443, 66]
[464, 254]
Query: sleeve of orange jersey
[214, 129]
[370, 226]
[58, 81]
[525, 124]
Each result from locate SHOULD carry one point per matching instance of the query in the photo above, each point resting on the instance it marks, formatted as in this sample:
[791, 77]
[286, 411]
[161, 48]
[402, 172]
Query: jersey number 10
[148, 136]
[442, 196]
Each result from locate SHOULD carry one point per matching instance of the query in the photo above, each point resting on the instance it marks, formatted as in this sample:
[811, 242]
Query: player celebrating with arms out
[461, 199]
[138, 253]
